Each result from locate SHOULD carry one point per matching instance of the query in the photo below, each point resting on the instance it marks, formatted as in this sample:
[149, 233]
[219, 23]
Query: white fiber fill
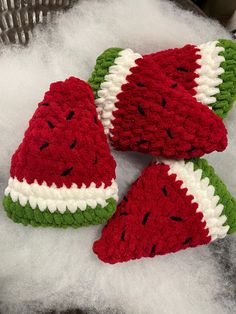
[47, 268]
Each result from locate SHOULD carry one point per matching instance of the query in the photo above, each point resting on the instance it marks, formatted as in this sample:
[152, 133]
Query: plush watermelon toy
[144, 110]
[206, 71]
[63, 174]
[173, 205]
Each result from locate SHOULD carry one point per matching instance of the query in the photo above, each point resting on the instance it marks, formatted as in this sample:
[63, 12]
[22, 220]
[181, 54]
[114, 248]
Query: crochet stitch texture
[207, 71]
[63, 174]
[144, 110]
[173, 205]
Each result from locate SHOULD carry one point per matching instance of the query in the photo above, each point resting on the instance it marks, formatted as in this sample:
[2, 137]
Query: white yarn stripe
[203, 194]
[209, 72]
[111, 87]
[62, 198]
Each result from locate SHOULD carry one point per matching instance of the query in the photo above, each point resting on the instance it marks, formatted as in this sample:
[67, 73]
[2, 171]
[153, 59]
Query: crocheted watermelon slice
[63, 174]
[207, 71]
[173, 205]
[143, 110]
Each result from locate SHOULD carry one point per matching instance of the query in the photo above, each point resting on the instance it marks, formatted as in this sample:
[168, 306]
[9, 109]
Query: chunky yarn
[206, 71]
[144, 110]
[173, 205]
[63, 174]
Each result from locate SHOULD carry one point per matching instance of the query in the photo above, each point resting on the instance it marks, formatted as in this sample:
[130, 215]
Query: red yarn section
[158, 117]
[65, 141]
[156, 217]
[179, 64]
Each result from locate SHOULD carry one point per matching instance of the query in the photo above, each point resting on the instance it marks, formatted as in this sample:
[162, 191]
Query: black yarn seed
[175, 218]
[72, 145]
[95, 160]
[44, 146]
[51, 125]
[140, 84]
[187, 240]
[95, 119]
[125, 199]
[153, 250]
[45, 104]
[141, 111]
[182, 69]
[163, 102]
[168, 131]
[145, 218]
[70, 115]
[174, 85]
[164, 190]
[142, 142]
[123, 214]
[122, 237]
[66, 172]
[191, 150]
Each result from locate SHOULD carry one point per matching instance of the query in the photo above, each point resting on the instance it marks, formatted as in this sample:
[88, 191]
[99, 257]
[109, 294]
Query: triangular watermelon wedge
[63, 174]
[207, 71]
[173, 205]
[143, 110]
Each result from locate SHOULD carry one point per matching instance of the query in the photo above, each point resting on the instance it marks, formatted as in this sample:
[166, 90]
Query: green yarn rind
[226, 199]
[29, 216]
[101, 69]
[227, 95]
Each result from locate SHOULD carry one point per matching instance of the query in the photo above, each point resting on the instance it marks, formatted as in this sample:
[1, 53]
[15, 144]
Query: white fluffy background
[44, 269]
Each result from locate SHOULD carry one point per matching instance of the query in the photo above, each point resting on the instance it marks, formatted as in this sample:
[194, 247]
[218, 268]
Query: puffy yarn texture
[63, 174]
[142, 109]
[52, 270]
[207, 71]
[173, 205]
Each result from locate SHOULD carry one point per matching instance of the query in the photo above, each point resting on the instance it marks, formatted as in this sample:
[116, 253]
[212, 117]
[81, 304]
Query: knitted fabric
[207, 71]
[173, 205]
[143, 110]
[62, 174]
